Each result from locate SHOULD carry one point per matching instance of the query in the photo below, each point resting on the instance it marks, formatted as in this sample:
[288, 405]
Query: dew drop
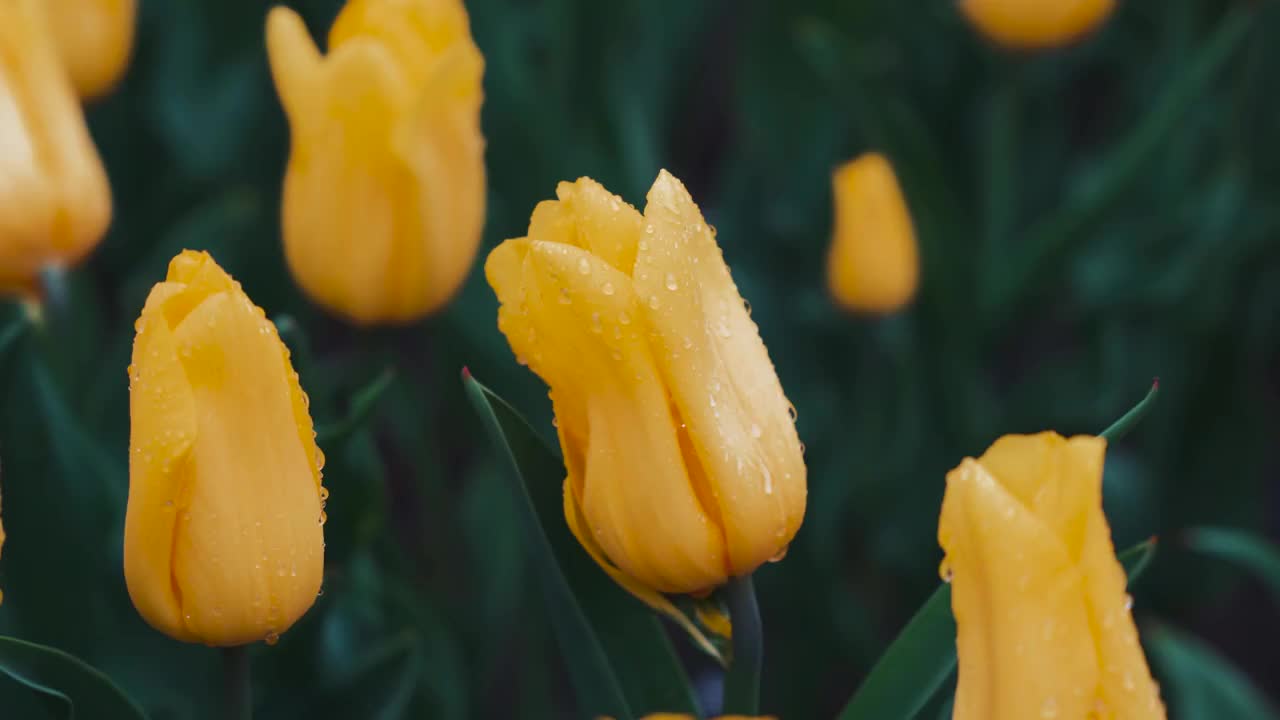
[324, 493]
[747, 306]
[521, 360]
[624, 318]
[722, 329]
[687, 343]
[944, 570]
[323, 517]
[780, 555]
[616, 355]
[756, 432]
[596, 327]
[584, 266]
[1128, 602]
[802, 449]
[768, 480]
[272, 637]
[1128, 682]
[653, 302]
[1050, 708]
[564, 297]
[712, 400]
[791, 410]
[671, 282]
[648, 229]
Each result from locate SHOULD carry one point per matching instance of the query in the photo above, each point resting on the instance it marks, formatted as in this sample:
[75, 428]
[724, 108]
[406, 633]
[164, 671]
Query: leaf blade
[80, 686]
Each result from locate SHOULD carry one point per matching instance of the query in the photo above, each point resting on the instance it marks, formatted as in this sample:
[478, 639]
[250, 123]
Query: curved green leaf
[1254, 553]
[84, 690]
[923, 656]
[1200, 683]
[1121, 427]
[619, 659]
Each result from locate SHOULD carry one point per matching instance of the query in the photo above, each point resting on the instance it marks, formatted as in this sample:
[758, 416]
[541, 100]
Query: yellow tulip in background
[1043, 621]
[55, 203]
[1032, 24]
[95, 40]
[873, 265]
[684, 468]
[384, 196]
[223, 540]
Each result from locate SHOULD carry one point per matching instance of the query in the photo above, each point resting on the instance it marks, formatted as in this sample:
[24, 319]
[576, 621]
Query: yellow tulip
[385, 191]
[873, 265]
[1043, 621]
[95, 40]
[1030, 24]
[223, 542]
[55, 203]
[684, 468]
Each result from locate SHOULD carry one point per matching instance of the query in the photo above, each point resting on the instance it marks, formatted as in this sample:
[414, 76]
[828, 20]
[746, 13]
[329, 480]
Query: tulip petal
[440, 143]
[592, 218]
[1126, 688]
[720, 378]
[585, 332]
[1036, 23]
[163, 427]
[249, 549]
[1023, 629]
[295, 61]
[1058, 480]
[654, 599]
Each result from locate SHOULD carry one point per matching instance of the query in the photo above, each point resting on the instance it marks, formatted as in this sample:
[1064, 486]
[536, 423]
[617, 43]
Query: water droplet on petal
[653, 302]
[1128, 602]
[944, 570]
[624, 318]
[607, 288]
[756, 432]
[584, 266]
[1050, 708]
[596, 327]
[272, 638]
[671, 282]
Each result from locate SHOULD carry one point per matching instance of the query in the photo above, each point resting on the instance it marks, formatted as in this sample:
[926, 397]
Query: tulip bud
[55, 203]
[385, 191]
[223, 542]
[1043, 622]
[684, 468]
[1031, 24]
[95, 40]
[873, 265]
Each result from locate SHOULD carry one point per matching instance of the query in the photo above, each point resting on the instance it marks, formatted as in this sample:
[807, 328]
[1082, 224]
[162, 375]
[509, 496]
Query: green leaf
[1200, 683]
[85, 691]
[619, 659]
[923, 656]
[1254, 553]
[1121, 427]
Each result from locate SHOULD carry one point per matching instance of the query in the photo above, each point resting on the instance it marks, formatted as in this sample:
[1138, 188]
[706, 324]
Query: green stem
[742, 681]
[237, 685]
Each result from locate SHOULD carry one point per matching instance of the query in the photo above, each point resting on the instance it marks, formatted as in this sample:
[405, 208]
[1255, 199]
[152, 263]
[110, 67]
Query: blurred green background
[1089, 218]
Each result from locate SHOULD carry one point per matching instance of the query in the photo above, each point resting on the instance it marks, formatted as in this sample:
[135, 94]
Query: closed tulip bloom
[95, 41]
[1031, 24]
[684, 468]
[1043, 621]
[55, 203]
[223, 543]
[873, 265]
[385, 191]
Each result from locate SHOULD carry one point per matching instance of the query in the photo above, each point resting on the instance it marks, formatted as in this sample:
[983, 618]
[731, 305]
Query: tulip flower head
[873, 265]
[95, 40]
[223, 542]
[1043, 622]
[55, 203]
[1031, 24]
[684, 467]
[385, 190]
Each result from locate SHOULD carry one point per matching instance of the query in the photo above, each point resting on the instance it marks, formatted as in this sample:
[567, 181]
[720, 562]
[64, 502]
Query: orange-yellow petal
[1033, 24]
[55, 203]
[1023, 627]
[873, 265]
[718, 372]
[95, 41]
